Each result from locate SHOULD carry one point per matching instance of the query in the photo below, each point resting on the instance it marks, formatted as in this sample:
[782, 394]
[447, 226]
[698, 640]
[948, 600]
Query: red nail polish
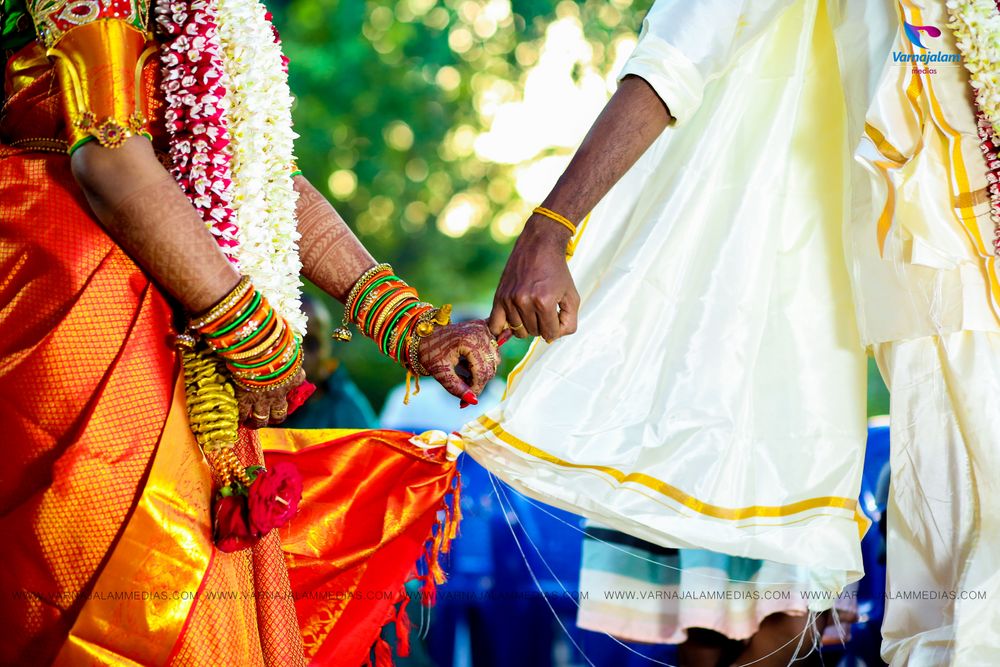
[504, 337]
[470, 398]
[463, 405]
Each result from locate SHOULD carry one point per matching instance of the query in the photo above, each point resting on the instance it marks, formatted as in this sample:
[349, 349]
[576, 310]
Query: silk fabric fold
[105, 497]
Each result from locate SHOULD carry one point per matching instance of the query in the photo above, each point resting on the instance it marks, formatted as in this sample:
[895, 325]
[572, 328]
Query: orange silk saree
[104, 493]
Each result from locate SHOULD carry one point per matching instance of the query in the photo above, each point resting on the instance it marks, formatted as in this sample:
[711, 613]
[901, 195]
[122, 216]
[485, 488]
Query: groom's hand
[536, 295]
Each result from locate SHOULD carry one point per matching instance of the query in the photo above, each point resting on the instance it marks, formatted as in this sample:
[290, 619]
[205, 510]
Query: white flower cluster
[976, 25]
[260, 127]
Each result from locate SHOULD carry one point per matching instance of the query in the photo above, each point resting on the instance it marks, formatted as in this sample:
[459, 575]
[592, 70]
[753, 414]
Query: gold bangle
[413, 356]
[221, 308]
[552, 215]
[387, 310]
[343, 332]
[359, 285]
[394, 339]
[425, 326]
[257, 349]
[433, 318]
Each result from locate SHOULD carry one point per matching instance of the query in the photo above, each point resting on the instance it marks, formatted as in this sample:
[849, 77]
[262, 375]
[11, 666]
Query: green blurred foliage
[382, 87]
[878, 394]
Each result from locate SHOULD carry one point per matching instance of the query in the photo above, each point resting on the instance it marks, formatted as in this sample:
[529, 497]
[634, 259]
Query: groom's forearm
[630, 122]
[332, 256]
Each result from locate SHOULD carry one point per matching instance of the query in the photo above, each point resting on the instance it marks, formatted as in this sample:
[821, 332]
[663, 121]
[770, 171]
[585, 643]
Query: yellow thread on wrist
[552, 215]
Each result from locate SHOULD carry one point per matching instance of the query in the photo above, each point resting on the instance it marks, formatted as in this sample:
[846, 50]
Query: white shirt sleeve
[684, 44]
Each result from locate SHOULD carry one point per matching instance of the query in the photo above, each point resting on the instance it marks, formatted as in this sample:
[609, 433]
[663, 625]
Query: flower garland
[193, 86]
[229, 119]
[976, 25]
[229, 116]
[260, 125]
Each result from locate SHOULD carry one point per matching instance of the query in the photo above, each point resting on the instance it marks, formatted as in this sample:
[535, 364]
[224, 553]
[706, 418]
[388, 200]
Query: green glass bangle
[246, 342]
[269, 376]
[262, 363]
[384, 344]
[375, 306]
[355, 309]
[244, 316]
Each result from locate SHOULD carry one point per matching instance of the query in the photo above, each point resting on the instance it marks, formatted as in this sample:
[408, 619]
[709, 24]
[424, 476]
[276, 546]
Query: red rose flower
[274, 497]
[233, 530]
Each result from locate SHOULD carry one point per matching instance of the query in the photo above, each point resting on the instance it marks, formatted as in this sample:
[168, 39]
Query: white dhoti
[927, 294]
[944, 505]
[713, 396]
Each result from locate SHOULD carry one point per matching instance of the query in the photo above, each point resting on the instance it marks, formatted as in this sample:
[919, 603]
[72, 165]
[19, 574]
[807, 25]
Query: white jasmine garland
[259, 121]
[976, 25]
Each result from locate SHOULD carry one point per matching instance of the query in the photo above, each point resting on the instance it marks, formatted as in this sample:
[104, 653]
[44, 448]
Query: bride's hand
[467, 348]
[258, 409]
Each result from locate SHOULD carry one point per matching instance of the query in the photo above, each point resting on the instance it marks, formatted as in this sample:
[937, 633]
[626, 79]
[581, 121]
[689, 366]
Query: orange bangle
[371, 300]
[226, 318]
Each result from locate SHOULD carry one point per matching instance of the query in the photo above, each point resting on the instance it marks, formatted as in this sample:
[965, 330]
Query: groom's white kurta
[714, 394]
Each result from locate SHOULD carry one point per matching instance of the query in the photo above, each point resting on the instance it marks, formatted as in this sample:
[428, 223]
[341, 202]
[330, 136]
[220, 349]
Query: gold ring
[259, 417]
[515, 327]
[279, 413]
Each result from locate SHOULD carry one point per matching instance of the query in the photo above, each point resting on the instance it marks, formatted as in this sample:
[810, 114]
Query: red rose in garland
[232, 525]
[274, 497]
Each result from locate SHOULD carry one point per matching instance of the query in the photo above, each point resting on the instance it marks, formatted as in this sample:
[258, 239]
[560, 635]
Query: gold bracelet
[359, 284]
[552, 215]
[343, 332]
[426, 324]
[387, 310]
[413, 356]
[433, 318]
[221, 308]
[257, 349]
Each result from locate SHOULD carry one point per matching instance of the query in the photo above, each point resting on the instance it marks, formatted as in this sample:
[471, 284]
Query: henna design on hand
[158, 227]
[332, 256]
[273, 403]
[468, 343]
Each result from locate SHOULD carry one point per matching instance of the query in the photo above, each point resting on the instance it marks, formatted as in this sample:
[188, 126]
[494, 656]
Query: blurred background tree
[435, 126]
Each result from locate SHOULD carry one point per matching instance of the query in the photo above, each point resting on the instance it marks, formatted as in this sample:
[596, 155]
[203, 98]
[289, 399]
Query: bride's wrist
[387, 310]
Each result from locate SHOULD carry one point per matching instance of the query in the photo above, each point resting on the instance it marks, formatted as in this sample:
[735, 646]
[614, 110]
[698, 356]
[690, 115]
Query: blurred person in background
[773, 188]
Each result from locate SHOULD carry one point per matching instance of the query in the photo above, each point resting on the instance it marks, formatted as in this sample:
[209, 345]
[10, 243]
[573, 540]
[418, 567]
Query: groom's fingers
[548, 320]
[498, 320]
[569, 308]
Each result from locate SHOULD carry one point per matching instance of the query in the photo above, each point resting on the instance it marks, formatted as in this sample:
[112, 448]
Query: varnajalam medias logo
[915, 33]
